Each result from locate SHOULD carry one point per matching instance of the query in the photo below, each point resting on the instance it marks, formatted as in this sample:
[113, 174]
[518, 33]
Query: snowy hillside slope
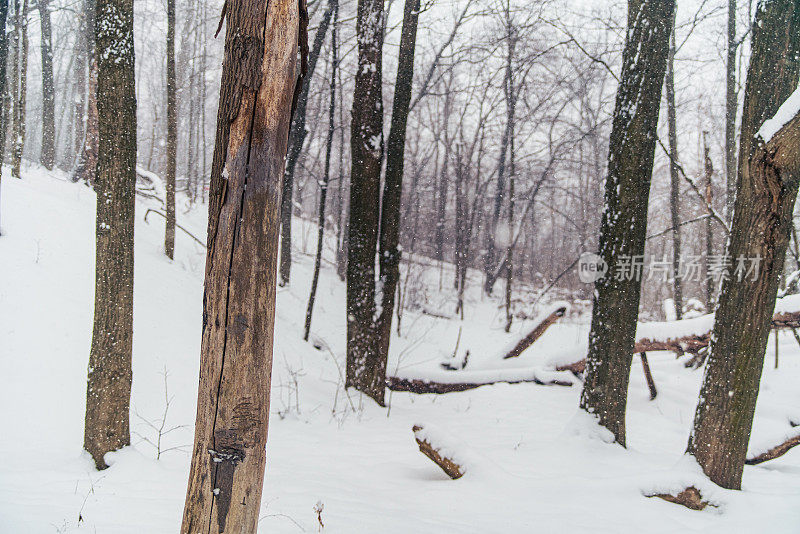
[540, 468]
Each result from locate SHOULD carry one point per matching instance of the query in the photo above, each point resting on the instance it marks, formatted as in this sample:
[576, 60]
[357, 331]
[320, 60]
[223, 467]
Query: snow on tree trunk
[366, 370]
[766, 191]
[624, 221]
[109, 382]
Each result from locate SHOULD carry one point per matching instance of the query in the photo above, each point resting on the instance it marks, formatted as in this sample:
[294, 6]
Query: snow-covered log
[690, 498]
[770, 453]
[537, 331]
[692, 335]
[449, 382]
[441, 449]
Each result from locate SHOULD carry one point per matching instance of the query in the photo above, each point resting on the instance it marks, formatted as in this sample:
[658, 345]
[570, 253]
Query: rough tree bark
[109, 384]
[624, 222]
[297, 136]
[323, 186]
[259, 80]
[366, 370]
[675, 181]
[48, 92]
[766, 190]
[389, 249]
[172, 133]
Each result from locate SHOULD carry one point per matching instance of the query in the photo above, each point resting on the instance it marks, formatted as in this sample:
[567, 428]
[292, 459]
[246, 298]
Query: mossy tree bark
[109, 383]
[624, 221]
[766, 190]
[259, 79]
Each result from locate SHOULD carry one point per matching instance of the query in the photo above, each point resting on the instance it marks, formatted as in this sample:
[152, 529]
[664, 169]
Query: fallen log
[690, 498]
[776, 451]
[535, 333]
[435, 451]
[693, 343]
[414, 385]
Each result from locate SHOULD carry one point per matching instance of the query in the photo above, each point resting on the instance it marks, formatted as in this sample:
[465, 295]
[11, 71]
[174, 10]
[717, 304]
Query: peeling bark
[259, 78]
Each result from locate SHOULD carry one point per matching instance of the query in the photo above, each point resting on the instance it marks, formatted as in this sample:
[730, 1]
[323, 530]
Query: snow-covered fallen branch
[449, 382]
[529, 339]
[442, 449]
[765, 453]
[693, 335]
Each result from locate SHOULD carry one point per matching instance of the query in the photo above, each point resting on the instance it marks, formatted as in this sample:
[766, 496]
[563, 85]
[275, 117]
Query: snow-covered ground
[535, 463]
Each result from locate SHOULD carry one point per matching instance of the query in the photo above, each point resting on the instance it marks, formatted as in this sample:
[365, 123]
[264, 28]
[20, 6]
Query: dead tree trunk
[389, 244]
[624, 223]
[675, 181]
[323, 187]
[297, 135]
[48, 154]
[259, 79]
[172, 133]
[766, 191]
[109, 385]
[366, 370]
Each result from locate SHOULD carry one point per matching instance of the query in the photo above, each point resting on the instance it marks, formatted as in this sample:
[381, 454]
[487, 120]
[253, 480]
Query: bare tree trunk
[109, 384]
[172, 133]
[390, 254]
[259, 79]
[3, 84]
[22, 91]
[48, 92]
[675, 181]
[366, 370]
[323, 194]
[766, 192]
[731, 103]
[624, 222]
[86, 167]
[297, 135]
[708, 169]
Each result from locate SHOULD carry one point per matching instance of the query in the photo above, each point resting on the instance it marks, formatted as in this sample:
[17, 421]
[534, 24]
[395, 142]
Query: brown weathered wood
[430, 450]
[259, 76]
[535, 333]
[651, 385]
[427, 386]
[775, 452]
[690, 498]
